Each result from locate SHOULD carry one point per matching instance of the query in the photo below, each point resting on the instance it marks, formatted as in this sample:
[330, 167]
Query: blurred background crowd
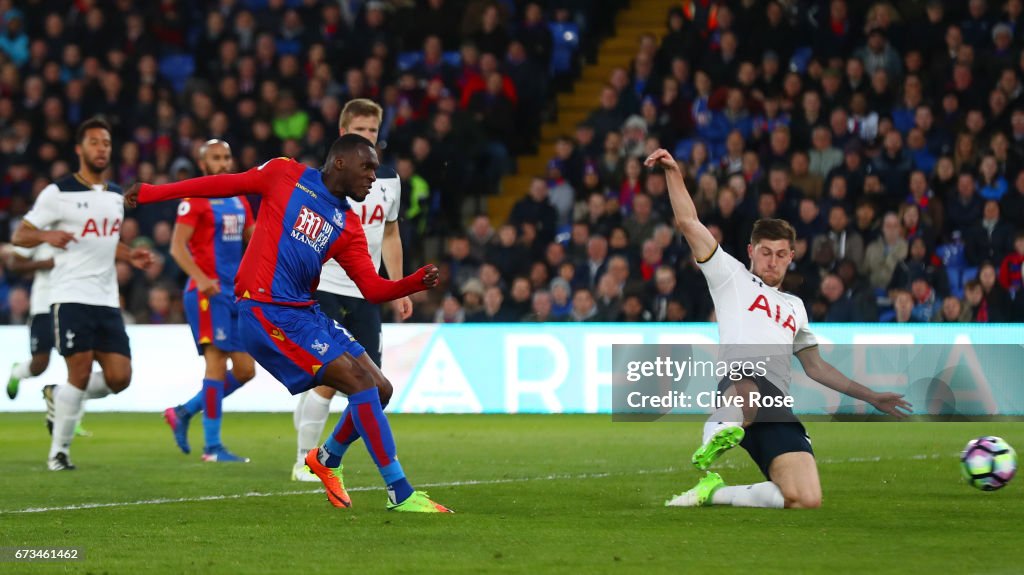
[890, 134]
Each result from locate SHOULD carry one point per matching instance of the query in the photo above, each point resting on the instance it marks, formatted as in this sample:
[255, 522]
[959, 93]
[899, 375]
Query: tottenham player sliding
[752, 311]
[338, 295]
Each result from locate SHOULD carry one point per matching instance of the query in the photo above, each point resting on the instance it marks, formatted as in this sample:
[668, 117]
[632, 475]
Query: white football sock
[67, 405]
[22, 371]
[311, 421]
[97, 386]
[721, 418]
[765, 494]
[298, 408]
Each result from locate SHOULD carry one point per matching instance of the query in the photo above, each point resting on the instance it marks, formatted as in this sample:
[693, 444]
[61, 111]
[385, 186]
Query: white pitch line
[468, 482]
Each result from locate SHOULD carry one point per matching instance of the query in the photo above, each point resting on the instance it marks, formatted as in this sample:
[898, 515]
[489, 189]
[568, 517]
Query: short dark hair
[347, 143]
[772, 229]
[90, 124]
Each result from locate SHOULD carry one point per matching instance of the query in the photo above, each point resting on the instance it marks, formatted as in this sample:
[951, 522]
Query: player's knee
[386, 390]
[363, 379]
[243, 373]
[802, 499]
[118, 382]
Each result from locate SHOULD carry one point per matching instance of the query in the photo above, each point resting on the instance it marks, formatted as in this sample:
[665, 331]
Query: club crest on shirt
[312, 229]
[339, 219]
[231, 227]
[320, 348]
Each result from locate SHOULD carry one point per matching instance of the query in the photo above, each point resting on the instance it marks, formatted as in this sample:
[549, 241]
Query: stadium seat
[409, 60]
[683, 148]
[453, 58]
[177, 69]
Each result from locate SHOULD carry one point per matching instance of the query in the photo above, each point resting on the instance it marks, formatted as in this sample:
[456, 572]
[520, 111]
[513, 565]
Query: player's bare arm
[824, 373]
[22, 265]
[139, 258]
[29, 236]
[392, 255]
[179, 251]
[701, 242]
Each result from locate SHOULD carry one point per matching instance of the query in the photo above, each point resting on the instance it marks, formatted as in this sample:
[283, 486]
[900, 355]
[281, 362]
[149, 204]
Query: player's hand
[662, 159]
[140, 258]
[431, 276]
[892, 404]
[46, 264]
[402, 308]
[208, 286]
[131, 197]
[58, 238]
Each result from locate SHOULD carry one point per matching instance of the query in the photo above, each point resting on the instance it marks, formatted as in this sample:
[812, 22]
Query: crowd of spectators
[891, 135]
[464, 84]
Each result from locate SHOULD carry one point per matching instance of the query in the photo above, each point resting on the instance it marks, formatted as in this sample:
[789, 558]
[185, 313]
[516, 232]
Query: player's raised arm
[354, 257]
[824, 373]
[258, 180]
[701, 242]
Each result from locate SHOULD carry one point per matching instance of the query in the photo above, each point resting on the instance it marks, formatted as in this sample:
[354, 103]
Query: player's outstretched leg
[360, 378]
[712, 490]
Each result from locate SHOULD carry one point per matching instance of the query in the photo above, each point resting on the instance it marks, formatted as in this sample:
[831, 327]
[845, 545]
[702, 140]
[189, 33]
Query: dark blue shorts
[41, 334]
[775, 431]
[359, 316]
[80, 327]
[214, 321]
[293, 343]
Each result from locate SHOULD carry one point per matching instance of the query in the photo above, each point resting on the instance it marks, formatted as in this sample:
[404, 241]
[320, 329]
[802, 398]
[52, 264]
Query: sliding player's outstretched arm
[824, 373]
[701, 242]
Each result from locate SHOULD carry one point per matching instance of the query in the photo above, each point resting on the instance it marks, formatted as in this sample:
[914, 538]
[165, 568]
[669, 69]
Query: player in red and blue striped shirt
[208, 242]
[305, 220]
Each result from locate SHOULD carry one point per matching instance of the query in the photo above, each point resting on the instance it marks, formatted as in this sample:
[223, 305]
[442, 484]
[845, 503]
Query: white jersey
[755, 317]
[40, 298]
[84, 271]
[379, 207]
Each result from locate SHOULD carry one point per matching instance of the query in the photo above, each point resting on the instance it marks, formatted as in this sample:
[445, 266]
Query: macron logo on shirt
[312, 229]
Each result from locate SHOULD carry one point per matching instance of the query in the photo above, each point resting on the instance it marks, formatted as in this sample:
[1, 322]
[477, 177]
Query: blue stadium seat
[453, 58]
[177, 69]
[684, 148]
[565, 38]
[956, 286]
[969, 274]
[801, 58]
[409, 60]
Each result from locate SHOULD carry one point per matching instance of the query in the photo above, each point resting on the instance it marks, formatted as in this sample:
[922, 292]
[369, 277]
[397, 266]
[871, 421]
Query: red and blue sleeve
[352, 253]
[259, 180]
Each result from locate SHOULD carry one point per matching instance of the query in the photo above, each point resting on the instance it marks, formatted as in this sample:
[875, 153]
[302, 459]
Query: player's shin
[765, 494]
[213, 392]
[67, 401]
[344, 434]
[310, 418]
[231, 384]
[373, 426]
[97, 386]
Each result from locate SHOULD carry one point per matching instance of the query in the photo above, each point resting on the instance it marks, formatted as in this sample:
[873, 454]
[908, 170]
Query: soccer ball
[988, 463]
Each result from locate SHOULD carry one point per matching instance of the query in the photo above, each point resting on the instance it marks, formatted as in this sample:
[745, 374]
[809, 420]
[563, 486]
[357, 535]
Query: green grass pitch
[567, 494]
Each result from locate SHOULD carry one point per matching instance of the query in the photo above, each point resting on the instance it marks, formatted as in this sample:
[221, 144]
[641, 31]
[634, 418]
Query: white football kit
[84, 271]
[754, 317]
[379, 207]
